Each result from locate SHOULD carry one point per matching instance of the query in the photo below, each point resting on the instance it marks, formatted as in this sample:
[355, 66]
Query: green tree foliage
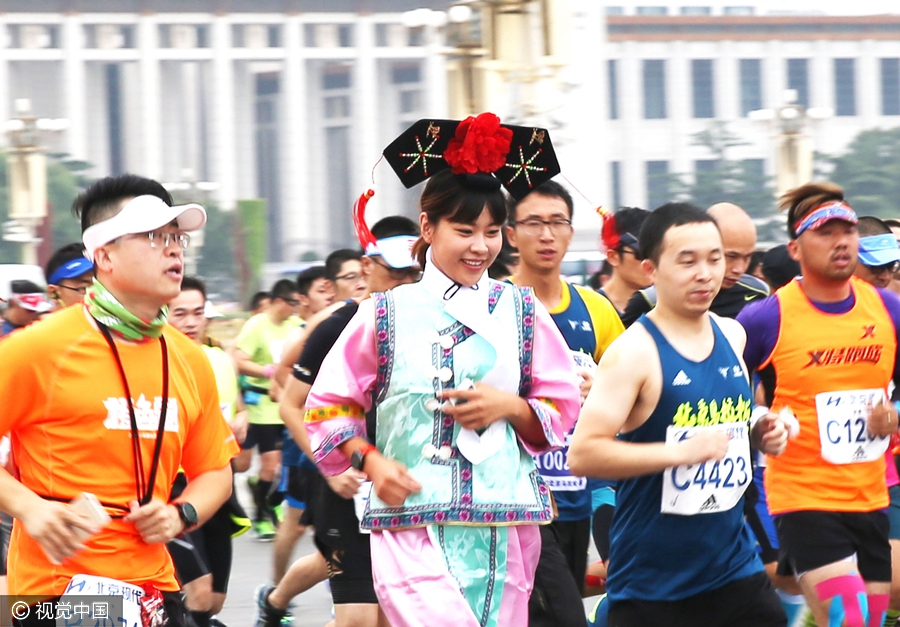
[218, 265]
[64, 181]
[252, 238]
[869, 172]
[740, 182]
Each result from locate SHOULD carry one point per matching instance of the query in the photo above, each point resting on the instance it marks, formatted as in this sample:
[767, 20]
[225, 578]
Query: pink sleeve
[554, 395]
[341, 394]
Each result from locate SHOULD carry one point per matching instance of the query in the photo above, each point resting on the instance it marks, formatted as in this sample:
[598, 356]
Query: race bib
[360, 501]
[842, 420]
[92, 585]
[554, 468]
[710, 487]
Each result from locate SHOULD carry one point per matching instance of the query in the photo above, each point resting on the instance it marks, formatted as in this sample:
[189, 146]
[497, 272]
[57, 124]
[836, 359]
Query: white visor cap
[142, 214]
[396, 251]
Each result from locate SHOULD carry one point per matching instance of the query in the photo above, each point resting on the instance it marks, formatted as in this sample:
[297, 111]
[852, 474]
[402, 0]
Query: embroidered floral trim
[330, 412]
[384, 343]
[540, 407]
[336, 438]
[541, 511]
[525, 312]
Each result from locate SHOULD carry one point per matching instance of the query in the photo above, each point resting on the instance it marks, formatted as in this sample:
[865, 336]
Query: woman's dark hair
[460, 199]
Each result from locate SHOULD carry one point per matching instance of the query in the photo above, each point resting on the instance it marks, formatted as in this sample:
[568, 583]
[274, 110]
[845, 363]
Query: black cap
[530, 159]
[778, 267]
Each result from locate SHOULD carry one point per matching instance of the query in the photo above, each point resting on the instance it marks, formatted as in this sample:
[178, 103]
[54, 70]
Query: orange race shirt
[65, 409]
[817, 354]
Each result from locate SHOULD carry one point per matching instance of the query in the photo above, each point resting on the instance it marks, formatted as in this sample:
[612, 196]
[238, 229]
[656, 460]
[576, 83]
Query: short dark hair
[336, 259]
[62, 256]
[103, 198]
[664, 218]
[550, 189]
[892, 222]
[630, 220]
[392, 226]
[870, 225]
[257, 299]
[284, 289]
[190, 283]
[309, 276]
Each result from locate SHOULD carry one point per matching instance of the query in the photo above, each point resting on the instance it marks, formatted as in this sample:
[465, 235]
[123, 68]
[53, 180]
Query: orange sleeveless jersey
[819, 352]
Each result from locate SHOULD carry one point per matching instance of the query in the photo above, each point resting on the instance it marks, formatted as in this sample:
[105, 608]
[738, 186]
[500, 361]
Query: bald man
[738, 289]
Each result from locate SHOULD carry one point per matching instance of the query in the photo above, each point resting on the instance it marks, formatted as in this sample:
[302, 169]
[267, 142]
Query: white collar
[446, 289]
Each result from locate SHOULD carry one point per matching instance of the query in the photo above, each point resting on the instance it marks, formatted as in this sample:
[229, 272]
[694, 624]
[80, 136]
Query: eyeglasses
[79, 290]
[350, 276]
[163, 238]
[628, 251]
[533, 226]
[398, 274]
[293, 302]
[888, 267]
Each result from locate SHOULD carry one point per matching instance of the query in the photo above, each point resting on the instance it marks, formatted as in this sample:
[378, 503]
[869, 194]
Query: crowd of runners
[456, 423]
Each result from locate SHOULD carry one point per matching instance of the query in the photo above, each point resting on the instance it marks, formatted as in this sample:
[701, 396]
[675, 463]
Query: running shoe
[264, 530]
[267, 615]
[278, 510]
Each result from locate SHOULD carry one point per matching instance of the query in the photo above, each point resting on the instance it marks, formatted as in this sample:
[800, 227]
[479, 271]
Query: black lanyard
[143, 488]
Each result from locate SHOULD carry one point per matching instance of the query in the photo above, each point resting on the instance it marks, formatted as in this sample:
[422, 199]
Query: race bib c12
[843, 426]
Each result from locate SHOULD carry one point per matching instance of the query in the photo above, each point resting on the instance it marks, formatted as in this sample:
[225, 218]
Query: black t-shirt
[333, 517]
[727, 303]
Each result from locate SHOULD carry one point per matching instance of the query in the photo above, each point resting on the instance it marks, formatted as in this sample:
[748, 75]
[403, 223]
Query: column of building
[148, 42]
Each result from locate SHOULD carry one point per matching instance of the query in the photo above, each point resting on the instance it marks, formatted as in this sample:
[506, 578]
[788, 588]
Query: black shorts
[556, 598]
[601, 523]
[349, 573]
[298, 484]
[810, 540]
[748, 602]
[264, 437]
[206, 550]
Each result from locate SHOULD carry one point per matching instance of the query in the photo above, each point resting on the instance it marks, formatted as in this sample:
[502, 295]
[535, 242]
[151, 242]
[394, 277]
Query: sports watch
[358, 458]
[187, 514]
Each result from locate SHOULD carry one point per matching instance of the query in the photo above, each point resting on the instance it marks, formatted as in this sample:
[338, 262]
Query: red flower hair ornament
[479, 146]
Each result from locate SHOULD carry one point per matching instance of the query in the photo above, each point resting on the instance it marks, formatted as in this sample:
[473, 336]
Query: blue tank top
[572, 494]
[667, 557]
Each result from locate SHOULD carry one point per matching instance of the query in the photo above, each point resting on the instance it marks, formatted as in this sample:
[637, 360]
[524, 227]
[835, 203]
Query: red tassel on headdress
[609, 234]
[363, 234]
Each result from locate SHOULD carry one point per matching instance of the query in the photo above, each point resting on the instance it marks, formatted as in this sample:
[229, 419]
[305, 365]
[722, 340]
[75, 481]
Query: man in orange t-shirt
[81, 387]
[825, 347]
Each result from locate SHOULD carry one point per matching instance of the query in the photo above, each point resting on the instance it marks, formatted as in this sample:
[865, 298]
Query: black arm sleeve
[320, 341]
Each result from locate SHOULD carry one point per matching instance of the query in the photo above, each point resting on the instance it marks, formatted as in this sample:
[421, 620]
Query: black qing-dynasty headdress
[480, 150]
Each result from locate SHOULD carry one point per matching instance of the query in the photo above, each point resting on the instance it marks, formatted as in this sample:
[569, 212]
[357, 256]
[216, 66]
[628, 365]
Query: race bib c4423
[843, 429]
[713, 486]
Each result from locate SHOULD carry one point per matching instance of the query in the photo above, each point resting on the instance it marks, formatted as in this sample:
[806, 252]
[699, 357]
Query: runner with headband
[825, 348]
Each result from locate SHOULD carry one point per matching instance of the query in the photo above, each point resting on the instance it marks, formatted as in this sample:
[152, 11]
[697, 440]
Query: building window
[705, 165]
[798, 79]
[654, 89]
[613, 76]
[616, 176]
[890, 87]
[696, 10]
[615, 10]
[738, 11]
[657, 183]
[652, 11]
[702, 82]
[751, 85]
[845, 86]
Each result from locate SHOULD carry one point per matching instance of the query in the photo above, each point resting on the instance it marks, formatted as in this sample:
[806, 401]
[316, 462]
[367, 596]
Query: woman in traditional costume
[467, 377]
